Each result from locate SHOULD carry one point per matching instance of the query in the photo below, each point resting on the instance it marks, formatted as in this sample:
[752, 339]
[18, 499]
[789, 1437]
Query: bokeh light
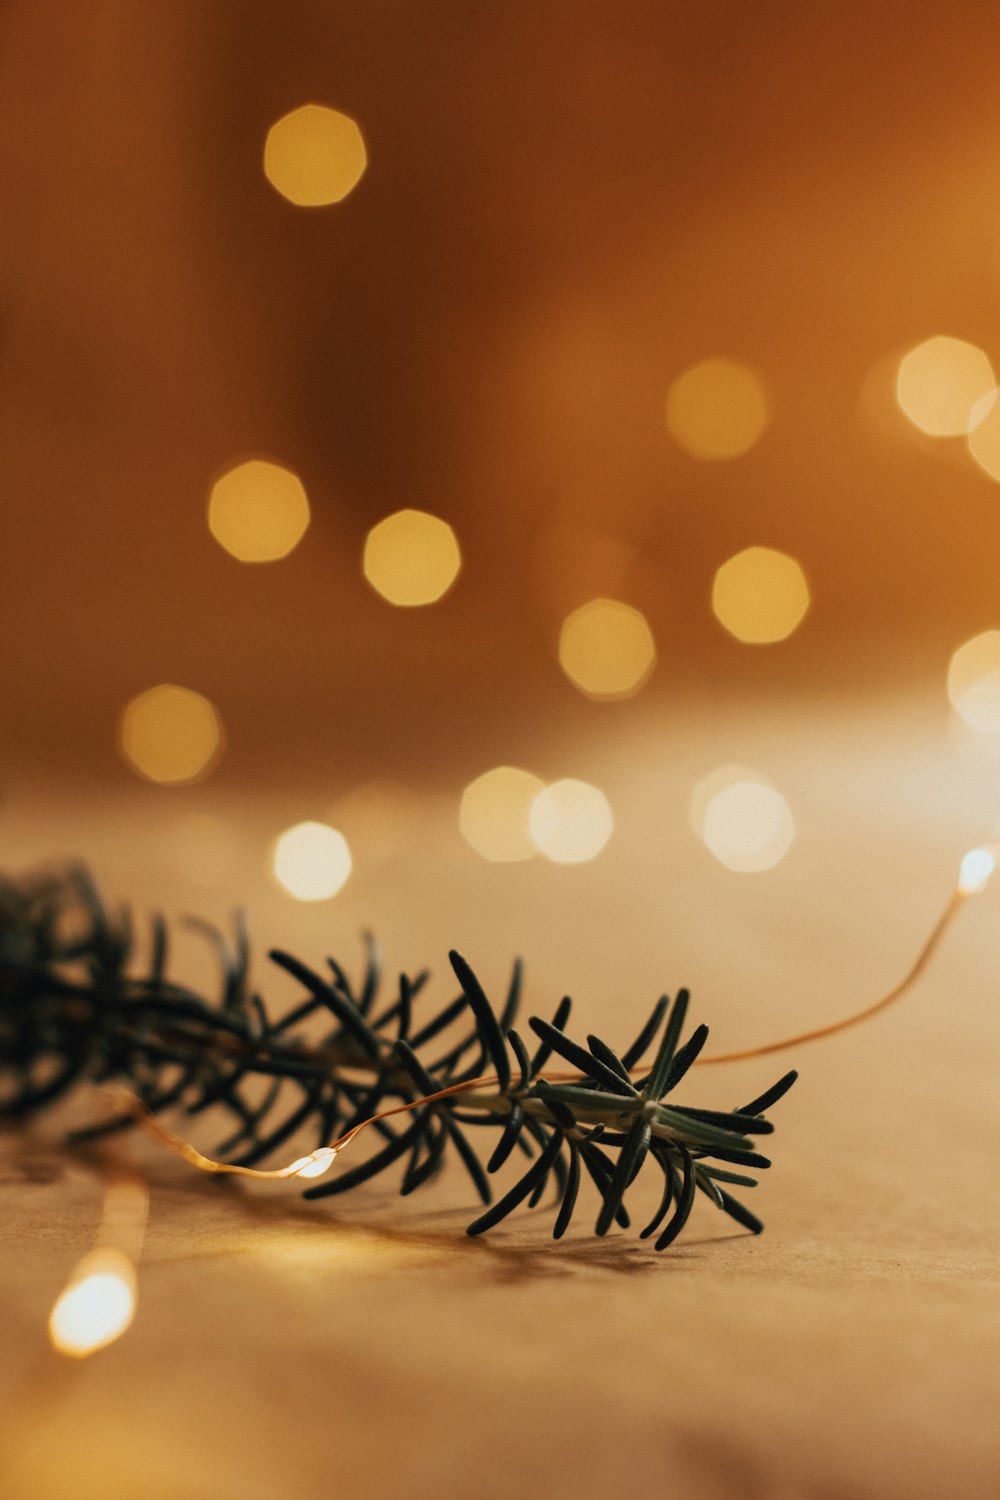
[760, 595]
[606, 649]
[96, 1307]
[571, 821]
[940, 382]
[984, 434]
[718, 409]
[495, 812]
[312, 861]
[412, 558]
[974, 682]
[314, 155]
[171, 734]
[743, 820]
[258, 511]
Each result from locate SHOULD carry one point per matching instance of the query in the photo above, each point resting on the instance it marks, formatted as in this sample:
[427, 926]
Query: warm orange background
[565, 206]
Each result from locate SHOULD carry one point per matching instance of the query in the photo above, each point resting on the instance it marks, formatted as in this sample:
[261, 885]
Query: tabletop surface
[367, 1347]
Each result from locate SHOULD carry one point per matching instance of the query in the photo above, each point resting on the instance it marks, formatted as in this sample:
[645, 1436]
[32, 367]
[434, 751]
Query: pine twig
[73, 1010]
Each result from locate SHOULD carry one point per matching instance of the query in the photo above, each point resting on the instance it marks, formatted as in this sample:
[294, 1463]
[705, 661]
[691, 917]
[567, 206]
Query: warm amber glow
[571, 821]
[315, 1164]
[171, 734]
[97, 1306]
[314, 155]
[984, 434]
[940, 382]
[607, 649]
[974, 873]
[760, 595]
[742, 819]
[411, 557]
[312, 861]
[258, 511]
[718, 409]
[974, 682]
[495, 812]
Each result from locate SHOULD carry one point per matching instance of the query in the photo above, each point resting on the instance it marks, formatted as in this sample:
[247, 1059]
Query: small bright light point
[258, 511]
[976, 869]
[747, 824]
[974, 682]
[984, 435]
[313, 1165]
[760, 596]
[171, 734]
[940, 382]
[312, 861]
[96, 1307]
[314, 156]
[495, 812]
[718, 409]
[411, 558]
[571, 821]
[606, 649]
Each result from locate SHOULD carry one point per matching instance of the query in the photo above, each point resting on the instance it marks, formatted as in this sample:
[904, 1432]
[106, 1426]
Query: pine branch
[74, 1010]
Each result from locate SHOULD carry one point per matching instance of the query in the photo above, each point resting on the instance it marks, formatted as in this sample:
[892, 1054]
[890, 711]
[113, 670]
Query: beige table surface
[366, 1348]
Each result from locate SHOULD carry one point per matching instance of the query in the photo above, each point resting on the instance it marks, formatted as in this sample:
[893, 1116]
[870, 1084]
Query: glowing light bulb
[97, 1305]
[314, 156]
[312, 861]
[975, 871]
[315, 1164]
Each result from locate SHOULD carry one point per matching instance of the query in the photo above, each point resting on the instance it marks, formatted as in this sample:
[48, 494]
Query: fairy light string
[976, 868]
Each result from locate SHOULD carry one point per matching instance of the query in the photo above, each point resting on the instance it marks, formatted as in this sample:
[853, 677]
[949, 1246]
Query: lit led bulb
[975, 871]
[97, 1306]
[313, 1165]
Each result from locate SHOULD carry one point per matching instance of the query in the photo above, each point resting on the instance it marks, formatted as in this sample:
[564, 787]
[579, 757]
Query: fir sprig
[73, 1010]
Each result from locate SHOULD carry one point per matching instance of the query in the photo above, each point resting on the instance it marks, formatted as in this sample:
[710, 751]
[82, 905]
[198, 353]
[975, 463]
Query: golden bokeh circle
[314, 156]
[411, 558]
[606, 649]
[495, 811]
[718, 409]
[940, 383]
[760, 595]
[258, 511]
[171, 734]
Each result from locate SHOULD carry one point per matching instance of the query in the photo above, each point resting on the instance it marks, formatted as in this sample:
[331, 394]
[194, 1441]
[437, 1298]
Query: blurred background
[542, 460]
[521, 477]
